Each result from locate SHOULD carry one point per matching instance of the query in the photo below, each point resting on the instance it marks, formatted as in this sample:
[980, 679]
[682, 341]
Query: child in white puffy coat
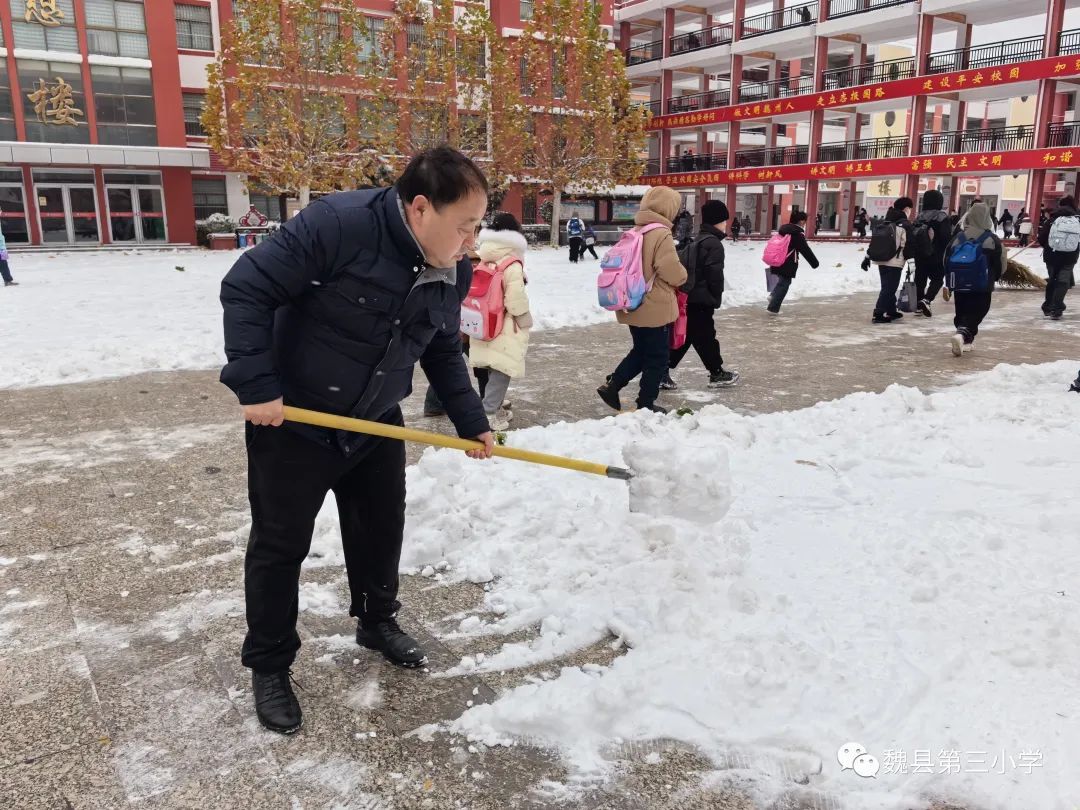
[504, 357]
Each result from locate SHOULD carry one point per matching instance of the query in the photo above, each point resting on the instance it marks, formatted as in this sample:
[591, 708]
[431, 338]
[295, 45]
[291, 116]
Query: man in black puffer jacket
[930, 270]
[1060, 265]
[331, 314]
[705, 298]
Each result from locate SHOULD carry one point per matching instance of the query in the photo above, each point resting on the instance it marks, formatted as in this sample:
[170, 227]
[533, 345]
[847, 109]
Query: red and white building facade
[831, 104]
[100, 140]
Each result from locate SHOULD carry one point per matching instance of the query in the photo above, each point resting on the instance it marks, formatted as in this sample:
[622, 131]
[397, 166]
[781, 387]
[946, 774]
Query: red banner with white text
[1052, 68]
[1061, 158]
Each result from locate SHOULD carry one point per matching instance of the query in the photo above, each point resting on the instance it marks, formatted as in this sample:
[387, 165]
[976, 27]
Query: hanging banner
[966, 164]
[1056, 67]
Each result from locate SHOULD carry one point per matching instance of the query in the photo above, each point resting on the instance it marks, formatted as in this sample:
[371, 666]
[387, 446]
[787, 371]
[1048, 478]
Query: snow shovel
[329, 420]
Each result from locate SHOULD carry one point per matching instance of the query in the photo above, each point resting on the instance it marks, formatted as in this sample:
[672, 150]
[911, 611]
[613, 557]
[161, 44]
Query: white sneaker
[969, 347]
[500, 420]
[957, 343]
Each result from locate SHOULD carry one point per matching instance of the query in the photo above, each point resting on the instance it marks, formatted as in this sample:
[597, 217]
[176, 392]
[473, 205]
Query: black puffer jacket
[334, 311]
[708, 268]
[799, 246]
[1051, 257]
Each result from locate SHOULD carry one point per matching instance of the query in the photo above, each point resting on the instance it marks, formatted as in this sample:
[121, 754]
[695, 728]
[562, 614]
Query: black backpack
[882, 247]
[688, 255]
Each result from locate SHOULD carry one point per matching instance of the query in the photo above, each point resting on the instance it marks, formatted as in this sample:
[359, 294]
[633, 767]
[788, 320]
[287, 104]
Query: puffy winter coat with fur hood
[659, 260]
[506, 353]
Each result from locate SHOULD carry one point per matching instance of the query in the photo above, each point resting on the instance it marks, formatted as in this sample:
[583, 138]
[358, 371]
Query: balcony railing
[772, 21]
[649, 52]
[775, 156]
[651, 106]
[874, 72]
[686, 163]
[705, 38]
[983, 56]
[698, 101]
[1069, 42]
[870, 149]
[749, 92]
[1064, 134]
[978, 140]
[845, 8]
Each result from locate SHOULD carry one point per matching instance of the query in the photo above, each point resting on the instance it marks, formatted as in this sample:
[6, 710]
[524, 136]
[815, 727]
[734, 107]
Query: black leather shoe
[395, 644]
[610, 396]
[275, 702]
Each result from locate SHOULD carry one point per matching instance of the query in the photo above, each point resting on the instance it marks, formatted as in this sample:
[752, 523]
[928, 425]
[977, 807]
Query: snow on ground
[846, 596]
[89, 315]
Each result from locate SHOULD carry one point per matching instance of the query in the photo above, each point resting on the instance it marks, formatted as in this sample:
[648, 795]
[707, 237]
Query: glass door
[151, 214]
[136, 214]
[52, 211]
[121, 214]
[82, 205]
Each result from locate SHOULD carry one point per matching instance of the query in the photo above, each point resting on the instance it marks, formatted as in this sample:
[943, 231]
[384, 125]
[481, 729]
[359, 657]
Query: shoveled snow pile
[896, 571]
[701, 491]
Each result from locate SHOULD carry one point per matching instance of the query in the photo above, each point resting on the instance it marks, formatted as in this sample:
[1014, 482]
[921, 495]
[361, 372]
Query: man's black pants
[288, 478]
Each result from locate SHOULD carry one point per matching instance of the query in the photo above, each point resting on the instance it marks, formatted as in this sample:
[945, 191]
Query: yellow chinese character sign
[55, 104]
[44, 12]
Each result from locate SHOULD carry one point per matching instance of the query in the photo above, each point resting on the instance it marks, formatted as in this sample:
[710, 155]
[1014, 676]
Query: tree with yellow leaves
[282, 105]
[585, 135]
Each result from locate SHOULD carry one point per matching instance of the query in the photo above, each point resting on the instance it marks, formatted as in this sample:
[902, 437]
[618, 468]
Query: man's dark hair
[797, 217]
[1067, 202]
[443, 175]
[903, 202]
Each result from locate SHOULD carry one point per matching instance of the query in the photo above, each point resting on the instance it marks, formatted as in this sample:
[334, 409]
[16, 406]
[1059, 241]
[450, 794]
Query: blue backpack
[966, 269]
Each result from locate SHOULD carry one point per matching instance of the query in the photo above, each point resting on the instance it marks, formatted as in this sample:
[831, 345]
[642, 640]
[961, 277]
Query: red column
[1055, 21]
[736, 77]
[179, 212]
[624, 36]
[665, 134]
[736, 34]
[31, 202]
[668, 29]
[89, 108]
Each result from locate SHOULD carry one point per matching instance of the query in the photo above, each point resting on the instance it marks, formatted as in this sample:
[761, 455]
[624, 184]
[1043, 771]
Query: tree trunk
[305, 196]
[556, 212]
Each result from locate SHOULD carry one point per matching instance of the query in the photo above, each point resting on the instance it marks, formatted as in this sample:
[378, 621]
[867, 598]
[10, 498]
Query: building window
[472, 59]
[369, 47]
[266, 203]
[524, 79]
[193, 110]
[376, 123]
[50, 28]
[473, 133]
[53, 101]
[528, 208]
[116, 28]
[124, 101]
[193, 28]
[525, 9]
[209, 196]
[7, 109]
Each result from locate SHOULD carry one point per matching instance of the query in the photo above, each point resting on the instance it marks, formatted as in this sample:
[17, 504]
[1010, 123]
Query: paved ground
[122, 514]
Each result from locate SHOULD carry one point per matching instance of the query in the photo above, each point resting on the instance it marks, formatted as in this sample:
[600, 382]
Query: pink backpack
[777, 250]
[621, 285]
[483, 310]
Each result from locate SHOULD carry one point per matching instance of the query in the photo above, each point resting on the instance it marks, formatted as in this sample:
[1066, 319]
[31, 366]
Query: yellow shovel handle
[329, 420]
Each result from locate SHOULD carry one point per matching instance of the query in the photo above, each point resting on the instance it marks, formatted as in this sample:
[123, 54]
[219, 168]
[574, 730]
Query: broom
[1020, 277]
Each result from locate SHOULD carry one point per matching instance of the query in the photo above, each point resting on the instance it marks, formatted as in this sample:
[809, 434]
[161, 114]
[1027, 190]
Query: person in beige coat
[504, 357]
[650, 323]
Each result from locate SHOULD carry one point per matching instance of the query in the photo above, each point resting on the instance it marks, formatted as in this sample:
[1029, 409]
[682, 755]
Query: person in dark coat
[683, 229]
[1006, 223]
[972, 306]
[704, 299]
[861, 221]
[891, 269]
[787, 271]
[1024, 234]
[736, 227]
[930, 271]
[331, 313]
[1059, 266]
